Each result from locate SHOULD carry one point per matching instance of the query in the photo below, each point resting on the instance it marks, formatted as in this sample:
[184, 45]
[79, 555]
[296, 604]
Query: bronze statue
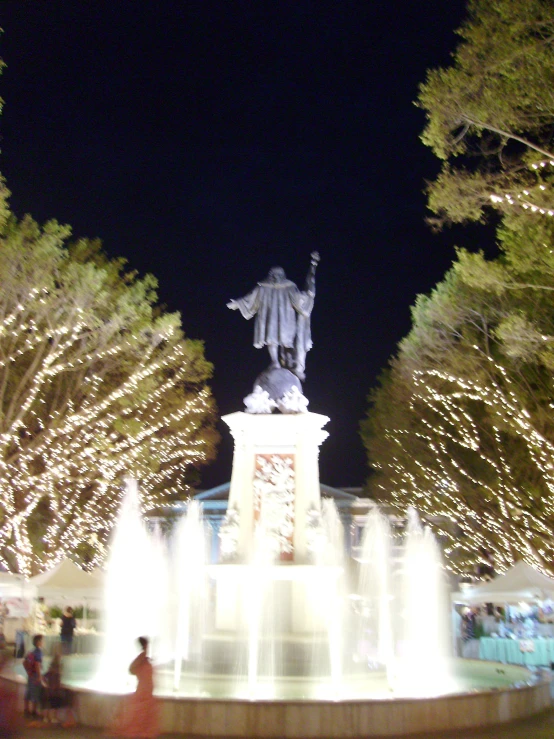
[282, 317]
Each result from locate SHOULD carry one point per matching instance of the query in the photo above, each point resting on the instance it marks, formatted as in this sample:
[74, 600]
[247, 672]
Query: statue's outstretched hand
[315, 257]
[232, 304]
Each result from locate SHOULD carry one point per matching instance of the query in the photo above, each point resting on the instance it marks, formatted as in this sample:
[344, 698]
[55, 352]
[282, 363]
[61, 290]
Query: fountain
[285, 635]
[355, 647]
[267, 629]
[266, 647]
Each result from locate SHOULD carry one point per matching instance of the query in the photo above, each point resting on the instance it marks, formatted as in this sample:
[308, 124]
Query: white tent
[519, 583]
[14, 586]
[67, 580]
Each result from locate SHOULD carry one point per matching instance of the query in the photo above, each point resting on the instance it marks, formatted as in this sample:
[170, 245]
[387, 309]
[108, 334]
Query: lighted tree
[96, 382]
[490, 113]
[461, 425]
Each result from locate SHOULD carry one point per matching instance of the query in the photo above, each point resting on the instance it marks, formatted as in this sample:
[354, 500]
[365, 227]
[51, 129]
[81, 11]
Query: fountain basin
[502, 693]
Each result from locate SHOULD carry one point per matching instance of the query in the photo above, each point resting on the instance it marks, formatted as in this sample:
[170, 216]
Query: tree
[96, 382]
[461, 425]
[490, 114]
[4, 192]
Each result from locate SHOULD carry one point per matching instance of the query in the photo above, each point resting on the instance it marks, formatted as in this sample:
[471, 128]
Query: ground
[537, 727]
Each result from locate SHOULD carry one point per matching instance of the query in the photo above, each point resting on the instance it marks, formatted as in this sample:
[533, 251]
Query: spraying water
[334, 558]
[191, 558]
[268, 628]
[259, 616]
[375, 592]
[133, 576]
[424, 643]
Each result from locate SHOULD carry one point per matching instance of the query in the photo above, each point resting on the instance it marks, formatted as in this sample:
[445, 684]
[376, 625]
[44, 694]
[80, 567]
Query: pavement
[540, 726]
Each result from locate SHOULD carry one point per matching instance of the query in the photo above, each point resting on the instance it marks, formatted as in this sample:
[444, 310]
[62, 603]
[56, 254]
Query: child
[57, 696]
[33, 667]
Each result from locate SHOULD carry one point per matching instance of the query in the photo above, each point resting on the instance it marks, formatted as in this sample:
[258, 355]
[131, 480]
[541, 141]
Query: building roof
[216, 498]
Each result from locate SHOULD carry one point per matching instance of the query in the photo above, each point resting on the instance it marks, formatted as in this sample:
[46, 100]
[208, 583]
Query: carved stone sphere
[277, 381]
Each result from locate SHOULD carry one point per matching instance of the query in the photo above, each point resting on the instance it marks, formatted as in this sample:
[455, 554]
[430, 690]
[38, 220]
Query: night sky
[208, 141]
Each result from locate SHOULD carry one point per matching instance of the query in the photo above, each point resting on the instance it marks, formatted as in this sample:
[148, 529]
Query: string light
[523, 198]
[86, 399]
[465, 458]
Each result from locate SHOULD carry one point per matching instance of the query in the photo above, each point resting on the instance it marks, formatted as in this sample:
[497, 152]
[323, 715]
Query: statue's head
[276, 274]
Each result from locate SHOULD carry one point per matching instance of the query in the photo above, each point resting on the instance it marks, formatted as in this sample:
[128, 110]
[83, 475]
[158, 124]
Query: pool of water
[467, 676]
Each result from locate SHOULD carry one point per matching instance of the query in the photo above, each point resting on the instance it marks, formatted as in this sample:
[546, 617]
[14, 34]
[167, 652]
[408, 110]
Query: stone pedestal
[275, 478]
[305, 594]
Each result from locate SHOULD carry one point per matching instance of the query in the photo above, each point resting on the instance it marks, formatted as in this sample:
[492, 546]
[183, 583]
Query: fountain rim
[535, 679]
[242, 718]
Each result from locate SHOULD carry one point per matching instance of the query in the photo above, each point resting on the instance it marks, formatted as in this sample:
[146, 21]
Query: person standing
[33, 667]
[137, 716]
[57, 696]
[68, 627]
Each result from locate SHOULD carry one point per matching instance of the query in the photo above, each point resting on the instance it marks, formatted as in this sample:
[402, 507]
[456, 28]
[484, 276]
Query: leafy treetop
[490, 114]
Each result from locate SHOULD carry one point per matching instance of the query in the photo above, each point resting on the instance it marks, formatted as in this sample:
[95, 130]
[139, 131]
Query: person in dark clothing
[68, 627]
[57, 696]
[33, 667]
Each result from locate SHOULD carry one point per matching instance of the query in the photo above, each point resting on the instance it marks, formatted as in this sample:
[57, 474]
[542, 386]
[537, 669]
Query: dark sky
[207, 141]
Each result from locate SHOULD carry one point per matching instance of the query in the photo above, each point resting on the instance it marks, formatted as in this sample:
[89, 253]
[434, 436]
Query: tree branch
[507, 134]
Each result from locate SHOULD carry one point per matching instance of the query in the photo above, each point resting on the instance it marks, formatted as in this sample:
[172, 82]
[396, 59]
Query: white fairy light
[506, 523]
[524, 197]
[64, 447]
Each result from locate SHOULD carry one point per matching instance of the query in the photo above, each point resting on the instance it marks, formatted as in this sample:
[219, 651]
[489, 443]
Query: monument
[276, 638]
[275, 477]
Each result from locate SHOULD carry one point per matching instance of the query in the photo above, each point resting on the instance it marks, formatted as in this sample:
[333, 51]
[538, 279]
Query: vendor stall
[15, 597]
[517, 626]
[520, 583]
[536, 652]
[12, 586]
[67, 584]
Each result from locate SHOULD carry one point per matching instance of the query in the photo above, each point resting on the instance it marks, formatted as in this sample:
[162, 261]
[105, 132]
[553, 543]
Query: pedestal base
[300, 595]
[274, 484]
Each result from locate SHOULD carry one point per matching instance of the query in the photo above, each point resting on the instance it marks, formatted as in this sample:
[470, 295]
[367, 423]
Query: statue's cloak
[282, 314]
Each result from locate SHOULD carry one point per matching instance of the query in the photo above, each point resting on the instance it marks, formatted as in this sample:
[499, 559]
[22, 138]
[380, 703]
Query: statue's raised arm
[310, 277]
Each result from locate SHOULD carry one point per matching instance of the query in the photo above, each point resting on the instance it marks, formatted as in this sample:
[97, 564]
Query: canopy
[11, 585]
[67, 579]
[519, 583]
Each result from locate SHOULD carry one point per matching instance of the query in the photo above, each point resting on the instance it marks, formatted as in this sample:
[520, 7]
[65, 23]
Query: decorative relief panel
[274, 492]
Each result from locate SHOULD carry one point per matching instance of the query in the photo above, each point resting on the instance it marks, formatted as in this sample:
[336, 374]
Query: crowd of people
[46, 698]
[45, 695]
[518, 622]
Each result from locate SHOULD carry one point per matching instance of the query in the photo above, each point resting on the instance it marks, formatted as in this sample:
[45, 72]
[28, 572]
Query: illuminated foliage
[490, 114]
[462, 426]
[96, 383]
